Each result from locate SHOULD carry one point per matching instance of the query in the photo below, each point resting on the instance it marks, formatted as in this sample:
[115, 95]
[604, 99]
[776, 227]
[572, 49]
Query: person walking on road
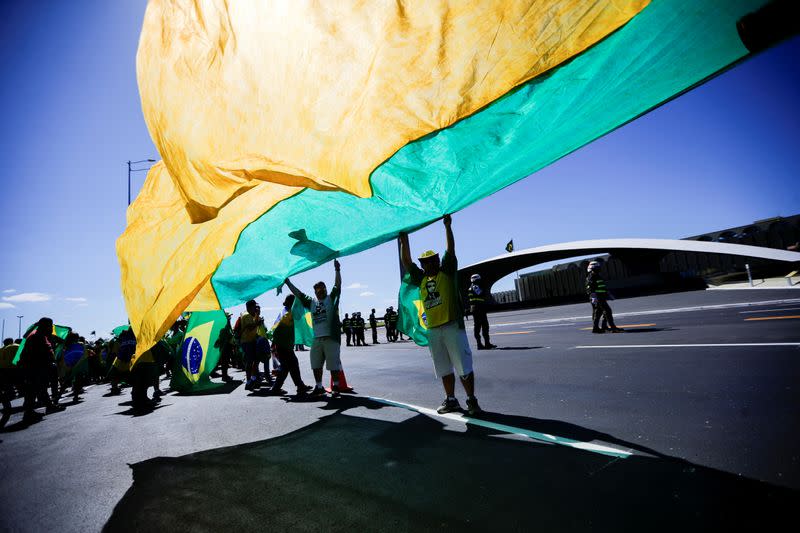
[598, 296]
[478, 307]
[326, 346]
[283, 347]
[36, 361]
[447, 338]
[247, 331]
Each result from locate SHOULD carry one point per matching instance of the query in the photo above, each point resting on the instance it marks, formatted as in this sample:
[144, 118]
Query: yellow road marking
[627, 326]
[772, 317]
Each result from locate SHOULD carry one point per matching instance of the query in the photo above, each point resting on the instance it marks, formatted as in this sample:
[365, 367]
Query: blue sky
[723, 155]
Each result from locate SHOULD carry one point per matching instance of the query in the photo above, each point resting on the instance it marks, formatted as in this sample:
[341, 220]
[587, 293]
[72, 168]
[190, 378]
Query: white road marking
[720, 345]
[655, 312]
[769, 310]
[535, 435]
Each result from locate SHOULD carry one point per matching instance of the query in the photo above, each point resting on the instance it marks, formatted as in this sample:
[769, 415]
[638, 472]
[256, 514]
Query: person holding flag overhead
[447, 337]
[327, 337]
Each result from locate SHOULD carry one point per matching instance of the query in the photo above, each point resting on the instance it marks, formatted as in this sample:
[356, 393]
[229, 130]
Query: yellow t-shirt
[438, 293]
[249, 333]
[7, 354]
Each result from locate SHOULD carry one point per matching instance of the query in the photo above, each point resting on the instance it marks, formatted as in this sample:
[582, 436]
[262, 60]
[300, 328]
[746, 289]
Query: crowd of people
[354, 327]
[50, 365]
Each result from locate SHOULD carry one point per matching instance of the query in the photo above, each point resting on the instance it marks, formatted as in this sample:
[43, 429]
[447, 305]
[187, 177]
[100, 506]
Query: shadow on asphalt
[20, 425]
[143, 411]
[226, 387]
[351, 473]
[564, 430]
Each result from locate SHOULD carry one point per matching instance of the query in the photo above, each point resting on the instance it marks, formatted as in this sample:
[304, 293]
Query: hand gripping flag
[278, 120]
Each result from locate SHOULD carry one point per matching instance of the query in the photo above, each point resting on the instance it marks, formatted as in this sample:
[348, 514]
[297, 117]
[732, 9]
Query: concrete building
[634, 267]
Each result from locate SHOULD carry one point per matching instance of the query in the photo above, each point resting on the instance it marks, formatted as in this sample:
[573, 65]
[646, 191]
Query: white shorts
[450, 350]
[326, 349]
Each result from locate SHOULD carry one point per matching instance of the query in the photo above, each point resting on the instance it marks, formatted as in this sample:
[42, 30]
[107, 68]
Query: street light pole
[19, 329]
[136, 170]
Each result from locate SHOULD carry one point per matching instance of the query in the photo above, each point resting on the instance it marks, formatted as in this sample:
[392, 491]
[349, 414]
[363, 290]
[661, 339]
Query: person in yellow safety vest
[477, 306]
[598, 296]
[359, 326]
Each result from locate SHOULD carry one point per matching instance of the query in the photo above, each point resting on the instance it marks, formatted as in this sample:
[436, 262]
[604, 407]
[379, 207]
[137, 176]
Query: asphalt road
[687, 420]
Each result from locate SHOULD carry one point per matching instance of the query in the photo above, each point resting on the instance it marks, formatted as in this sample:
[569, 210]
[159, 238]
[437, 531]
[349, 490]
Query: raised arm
[405, 251]
[451, 242]
[297, 292]
[337, 281]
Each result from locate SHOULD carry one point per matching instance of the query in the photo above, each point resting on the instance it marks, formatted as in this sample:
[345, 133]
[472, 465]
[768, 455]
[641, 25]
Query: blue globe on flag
[192, 355]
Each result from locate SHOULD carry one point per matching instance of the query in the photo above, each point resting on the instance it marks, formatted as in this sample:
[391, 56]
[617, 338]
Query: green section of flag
[411, 313]
[58, 349]
[117, 331]
[303, 329]
[199, 352]
[666, 49]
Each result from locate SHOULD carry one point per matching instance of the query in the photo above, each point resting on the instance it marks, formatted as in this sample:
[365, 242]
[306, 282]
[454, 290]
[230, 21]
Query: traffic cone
[343, 386]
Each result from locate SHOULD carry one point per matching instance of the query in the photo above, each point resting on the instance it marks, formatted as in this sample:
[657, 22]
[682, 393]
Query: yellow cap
[430, 254]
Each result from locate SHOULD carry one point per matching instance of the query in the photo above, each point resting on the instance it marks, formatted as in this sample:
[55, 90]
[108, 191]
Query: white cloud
[356, 285]
[4, 305]
[82, 305]
[28, 297]
[367, 293]
[80, 299]
[9, 291]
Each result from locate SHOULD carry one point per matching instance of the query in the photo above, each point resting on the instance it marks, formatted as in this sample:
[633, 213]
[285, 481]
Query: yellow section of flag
[249, 102]
[317, 94]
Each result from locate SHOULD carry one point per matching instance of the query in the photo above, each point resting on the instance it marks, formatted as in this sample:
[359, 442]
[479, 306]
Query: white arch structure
[498, 267]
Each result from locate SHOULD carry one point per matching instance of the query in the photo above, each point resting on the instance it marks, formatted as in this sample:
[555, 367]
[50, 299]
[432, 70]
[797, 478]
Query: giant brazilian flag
[199, 351]
[277, 121]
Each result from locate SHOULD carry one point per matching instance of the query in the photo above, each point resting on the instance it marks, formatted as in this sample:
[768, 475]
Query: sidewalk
[769, 283]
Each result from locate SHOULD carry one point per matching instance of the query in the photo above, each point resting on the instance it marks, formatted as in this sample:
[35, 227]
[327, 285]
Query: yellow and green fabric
[58, 331]
[277, 120]
[199, 352]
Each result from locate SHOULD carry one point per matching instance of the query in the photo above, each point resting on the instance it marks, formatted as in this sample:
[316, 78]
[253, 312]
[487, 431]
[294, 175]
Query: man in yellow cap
[447, 338]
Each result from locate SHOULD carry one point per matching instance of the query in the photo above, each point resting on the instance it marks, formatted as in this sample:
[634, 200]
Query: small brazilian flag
[303, 329]
[199, 352]
[411, 314]
[510, 246]
[59, 331]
